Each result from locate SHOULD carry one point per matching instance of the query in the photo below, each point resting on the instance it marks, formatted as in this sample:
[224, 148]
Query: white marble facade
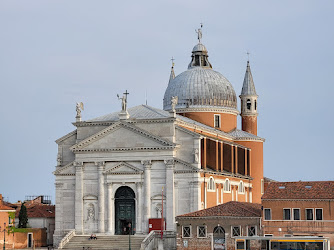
[147, 152]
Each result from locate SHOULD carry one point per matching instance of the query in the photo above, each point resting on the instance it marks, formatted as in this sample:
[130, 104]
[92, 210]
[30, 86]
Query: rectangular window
[251, 231]
[309, 213]
[217, 121]
[236, 231]
[296, 214]
[318, 213]
[201, 232]
[267, 214]
[286, 214]
[186, 232]
[240, 245]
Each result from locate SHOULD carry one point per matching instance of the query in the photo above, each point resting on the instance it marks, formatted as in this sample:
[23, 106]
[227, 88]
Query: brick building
[299, 209]
[218, 226]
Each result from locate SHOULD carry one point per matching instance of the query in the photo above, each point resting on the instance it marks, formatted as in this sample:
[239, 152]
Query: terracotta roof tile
[38, 211]
[4, 207]
[300, 190]
[232, 208]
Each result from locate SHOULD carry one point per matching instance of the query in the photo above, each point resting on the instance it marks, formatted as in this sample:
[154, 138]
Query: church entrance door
[125, 213]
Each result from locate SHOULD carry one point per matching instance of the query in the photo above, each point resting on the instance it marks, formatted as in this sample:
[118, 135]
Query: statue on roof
[124, 100]
[79, 107]
[199, 33]
[174, 101]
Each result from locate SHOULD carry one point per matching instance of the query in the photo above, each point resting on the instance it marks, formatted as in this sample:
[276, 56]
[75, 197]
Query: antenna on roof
[146, 97]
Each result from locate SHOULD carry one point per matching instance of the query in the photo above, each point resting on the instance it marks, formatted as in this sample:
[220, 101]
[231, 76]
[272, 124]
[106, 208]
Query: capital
[100, 165]
[78, 165]
[169, 162]
[146, 162]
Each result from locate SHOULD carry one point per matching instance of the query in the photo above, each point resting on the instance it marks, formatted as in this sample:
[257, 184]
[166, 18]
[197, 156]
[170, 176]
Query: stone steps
[112, 242]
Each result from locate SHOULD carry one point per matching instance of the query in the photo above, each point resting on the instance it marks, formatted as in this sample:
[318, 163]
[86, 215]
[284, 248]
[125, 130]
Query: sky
[56, 53]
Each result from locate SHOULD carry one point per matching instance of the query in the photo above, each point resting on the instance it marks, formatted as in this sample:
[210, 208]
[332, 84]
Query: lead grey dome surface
[200, 87]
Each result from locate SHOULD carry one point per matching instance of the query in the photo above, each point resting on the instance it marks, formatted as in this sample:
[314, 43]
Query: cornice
[66, 136]
[121, 164]
[110, 129]
[195, 134]
[123, 149]
[108, 123]
[212, 131]
[57, 172]
[208, 109]
[314, 199]
[206, 171]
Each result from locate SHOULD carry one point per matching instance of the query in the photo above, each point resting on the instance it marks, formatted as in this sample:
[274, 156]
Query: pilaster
[170, 194]
[110, 209]
[59, 208]
[100, 169]
[78, 197]
[147, 190]
[139, 222]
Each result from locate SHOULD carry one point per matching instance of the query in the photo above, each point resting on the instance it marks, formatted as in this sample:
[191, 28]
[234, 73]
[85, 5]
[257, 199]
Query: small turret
[249, 103]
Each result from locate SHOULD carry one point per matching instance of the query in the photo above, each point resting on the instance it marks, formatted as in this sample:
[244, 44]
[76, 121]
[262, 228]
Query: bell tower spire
[249, 103]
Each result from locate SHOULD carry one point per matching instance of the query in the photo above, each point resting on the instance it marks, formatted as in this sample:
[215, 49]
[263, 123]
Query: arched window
[248, 103]
[241, 188]
[227, 186]
[211, 184]
[255, 104]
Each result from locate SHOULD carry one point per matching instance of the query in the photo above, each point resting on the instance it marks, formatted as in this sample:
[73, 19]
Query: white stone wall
[97, 174]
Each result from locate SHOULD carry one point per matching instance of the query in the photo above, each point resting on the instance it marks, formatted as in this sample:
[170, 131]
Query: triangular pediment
[122, 136]
[68, 169]
[182, 166]
[123, 168]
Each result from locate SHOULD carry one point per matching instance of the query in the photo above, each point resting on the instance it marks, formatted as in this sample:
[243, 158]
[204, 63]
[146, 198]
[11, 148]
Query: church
[116, 172]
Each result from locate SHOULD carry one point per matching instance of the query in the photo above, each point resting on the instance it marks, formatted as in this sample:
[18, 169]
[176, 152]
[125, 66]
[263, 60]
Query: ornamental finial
[199, 33]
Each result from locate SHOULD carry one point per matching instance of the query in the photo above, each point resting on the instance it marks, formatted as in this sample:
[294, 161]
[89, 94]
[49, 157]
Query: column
[139, 208]
[236, 159]
[217, 157]
[221, 157]
[110, 210]
[100, 169]
[246, 171]
[78, 220]
[147, 196]
[204, 153]
[170, 209]
[232, 159]
[59, 209]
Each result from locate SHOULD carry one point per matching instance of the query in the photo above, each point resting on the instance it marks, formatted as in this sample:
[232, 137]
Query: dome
[200, 87]
[199, 47]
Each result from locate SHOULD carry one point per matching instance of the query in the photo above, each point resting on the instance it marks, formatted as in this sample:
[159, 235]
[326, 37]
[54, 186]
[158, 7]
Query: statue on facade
[174, 101]
[124, 100]
[90, 212]
[196, 155]
[199, 33]
[58, 159]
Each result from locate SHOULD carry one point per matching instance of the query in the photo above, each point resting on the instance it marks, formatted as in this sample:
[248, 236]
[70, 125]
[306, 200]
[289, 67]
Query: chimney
[1, 199]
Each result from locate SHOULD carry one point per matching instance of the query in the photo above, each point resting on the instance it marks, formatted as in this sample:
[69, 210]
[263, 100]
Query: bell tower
[249, 103]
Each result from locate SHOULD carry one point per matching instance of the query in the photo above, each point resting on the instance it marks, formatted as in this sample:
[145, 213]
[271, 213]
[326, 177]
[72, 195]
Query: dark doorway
[30, 240]
[125, 213]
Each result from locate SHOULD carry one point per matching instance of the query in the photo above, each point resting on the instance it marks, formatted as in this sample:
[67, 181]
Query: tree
[23, 217]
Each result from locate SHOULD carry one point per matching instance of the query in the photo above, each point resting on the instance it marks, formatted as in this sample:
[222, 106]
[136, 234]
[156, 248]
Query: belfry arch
[125, 211]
